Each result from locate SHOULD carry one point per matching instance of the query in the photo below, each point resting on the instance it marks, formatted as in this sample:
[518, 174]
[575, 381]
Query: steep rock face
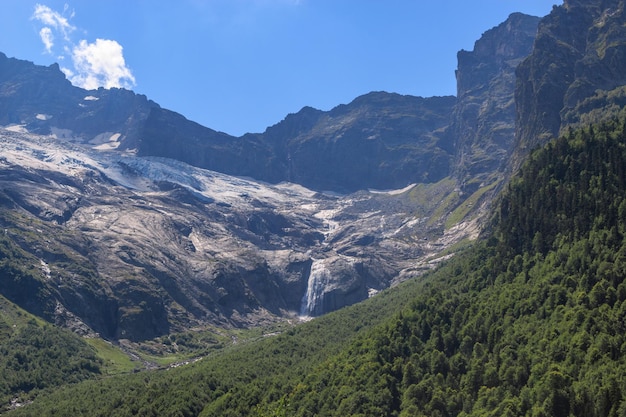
[484, 118]
[575, 73]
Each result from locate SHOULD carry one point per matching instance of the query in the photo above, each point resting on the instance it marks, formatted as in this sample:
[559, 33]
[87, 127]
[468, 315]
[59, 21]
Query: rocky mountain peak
[494, 51]
[41, 100]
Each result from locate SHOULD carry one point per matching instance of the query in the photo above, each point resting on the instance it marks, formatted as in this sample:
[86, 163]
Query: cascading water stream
[319, 278]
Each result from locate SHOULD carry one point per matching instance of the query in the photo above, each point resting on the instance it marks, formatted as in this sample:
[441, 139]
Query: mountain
[397, 134]
[110, 198]
[150, 252]
[402, 140]
[44, 102]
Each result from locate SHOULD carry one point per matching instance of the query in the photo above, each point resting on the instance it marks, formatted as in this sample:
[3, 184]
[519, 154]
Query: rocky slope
[135, 247]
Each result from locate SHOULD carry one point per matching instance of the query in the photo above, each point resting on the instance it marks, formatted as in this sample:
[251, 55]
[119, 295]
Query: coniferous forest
[531, 321]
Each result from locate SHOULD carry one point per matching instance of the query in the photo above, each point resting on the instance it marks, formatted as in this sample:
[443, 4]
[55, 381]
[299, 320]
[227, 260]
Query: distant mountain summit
[43, 101]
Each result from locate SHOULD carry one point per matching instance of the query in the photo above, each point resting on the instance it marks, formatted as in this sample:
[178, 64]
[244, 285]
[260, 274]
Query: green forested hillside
[531, 321]
[35, 356]
[248, 378]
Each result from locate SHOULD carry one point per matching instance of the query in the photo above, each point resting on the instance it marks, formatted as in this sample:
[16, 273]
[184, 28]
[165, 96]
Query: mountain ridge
[585, 85]
[402, 139]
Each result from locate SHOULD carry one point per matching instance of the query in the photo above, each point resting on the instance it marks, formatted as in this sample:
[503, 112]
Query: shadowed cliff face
[484, 117]
[380, 141]
[575, 74]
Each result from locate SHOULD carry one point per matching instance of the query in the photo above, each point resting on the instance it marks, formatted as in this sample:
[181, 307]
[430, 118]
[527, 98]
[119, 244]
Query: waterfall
[319, 278]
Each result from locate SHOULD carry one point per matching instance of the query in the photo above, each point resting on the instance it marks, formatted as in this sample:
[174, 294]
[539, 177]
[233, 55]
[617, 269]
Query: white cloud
[53, 19]
[97, 64]
[47, 38]
[100, 64]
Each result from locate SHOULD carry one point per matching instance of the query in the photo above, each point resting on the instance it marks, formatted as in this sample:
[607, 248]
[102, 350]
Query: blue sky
[242, 65]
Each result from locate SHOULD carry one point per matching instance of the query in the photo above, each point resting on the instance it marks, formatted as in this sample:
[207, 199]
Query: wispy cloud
[96, 64]
[47, 38]
[52, 20]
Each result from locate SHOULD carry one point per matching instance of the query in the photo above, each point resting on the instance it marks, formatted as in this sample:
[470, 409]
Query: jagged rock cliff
[575, 74]
[483, 125]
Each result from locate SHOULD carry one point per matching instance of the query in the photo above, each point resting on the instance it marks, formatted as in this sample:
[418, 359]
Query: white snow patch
[42, 116]
[393, 192]
[58, 133]
[91, 98]
[309, 206]
[72, 157]
[44, 152]
[216, 186]
[295, 189]
[406, 225]
[108, 145]
[16, 128]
